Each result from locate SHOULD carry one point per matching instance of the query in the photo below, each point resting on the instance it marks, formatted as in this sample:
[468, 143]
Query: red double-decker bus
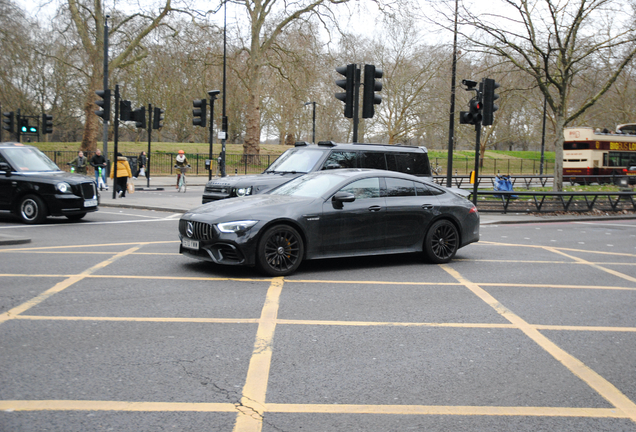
[595, 155]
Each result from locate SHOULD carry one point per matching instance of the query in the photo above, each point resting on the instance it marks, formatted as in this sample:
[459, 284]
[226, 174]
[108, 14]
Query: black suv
[305, 157]
[33, 187]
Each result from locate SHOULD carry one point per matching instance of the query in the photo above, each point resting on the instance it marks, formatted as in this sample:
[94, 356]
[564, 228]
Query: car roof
[13, 144]
[327, 145]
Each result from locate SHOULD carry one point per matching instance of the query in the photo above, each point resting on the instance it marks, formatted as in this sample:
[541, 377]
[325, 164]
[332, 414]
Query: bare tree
[128, 31]
[552, 41]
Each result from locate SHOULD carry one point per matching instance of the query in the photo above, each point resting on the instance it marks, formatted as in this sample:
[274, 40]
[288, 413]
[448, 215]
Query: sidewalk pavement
[160, 194]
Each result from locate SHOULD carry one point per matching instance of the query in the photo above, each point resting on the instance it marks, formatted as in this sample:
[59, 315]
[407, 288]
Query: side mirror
[6, 168]
[340, 198]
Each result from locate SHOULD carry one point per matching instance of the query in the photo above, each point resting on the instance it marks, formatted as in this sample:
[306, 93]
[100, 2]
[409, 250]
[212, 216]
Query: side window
[422, 190]
[375, 160]
[340, 159]
[409, 163]
[399, 187]
[365, 188]
[433, 190]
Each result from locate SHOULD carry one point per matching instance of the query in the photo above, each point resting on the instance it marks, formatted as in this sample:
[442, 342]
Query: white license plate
[190, 244]
[90, 203]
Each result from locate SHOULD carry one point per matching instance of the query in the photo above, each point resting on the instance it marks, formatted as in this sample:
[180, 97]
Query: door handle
[375, 208]
[427, 206]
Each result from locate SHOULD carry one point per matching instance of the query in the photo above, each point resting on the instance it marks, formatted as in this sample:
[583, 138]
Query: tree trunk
[253, 114]
[558, 153]
[93, 125]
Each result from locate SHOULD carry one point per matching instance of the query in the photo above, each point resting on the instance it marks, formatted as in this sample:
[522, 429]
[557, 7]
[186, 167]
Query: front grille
[218, 190]
[200, 230]
[88, 190]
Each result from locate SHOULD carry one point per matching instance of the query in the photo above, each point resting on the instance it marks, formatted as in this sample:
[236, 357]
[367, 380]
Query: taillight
[472, 210]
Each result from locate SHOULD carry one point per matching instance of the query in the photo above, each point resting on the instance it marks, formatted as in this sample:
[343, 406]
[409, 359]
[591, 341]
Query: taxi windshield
[25, 159]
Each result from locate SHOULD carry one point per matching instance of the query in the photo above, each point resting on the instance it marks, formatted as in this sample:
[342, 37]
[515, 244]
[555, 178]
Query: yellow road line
[596, 266]
[60, 286]
[450, 410]
[489, 243]
[324, 323]
[578, 368]
[252, 407]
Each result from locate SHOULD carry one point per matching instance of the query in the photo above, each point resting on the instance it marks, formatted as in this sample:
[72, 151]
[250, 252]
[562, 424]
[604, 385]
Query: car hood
[53, 176]
[257, 206]
[260, 182]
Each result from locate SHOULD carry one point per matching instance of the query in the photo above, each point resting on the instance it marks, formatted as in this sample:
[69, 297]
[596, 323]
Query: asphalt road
[104, 326]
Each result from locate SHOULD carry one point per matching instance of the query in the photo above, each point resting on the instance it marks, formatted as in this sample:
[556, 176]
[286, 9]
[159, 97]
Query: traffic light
[104, 104]
[9, 121]
[125, 110]
[489, 98]
[473, 116]
[139, 117]
[47, 124]
[24, 125]
[369, 98]
[200, 112]
[157, 118]
[348, 85]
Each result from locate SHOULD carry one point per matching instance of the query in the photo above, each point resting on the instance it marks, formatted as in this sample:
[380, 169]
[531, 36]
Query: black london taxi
[33, 187]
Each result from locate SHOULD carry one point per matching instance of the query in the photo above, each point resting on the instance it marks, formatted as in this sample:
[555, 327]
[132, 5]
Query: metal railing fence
[162, 163]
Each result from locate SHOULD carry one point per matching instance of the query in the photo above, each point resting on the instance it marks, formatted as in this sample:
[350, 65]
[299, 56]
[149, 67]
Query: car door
[358, 226]
[7, 187]
[410, 209]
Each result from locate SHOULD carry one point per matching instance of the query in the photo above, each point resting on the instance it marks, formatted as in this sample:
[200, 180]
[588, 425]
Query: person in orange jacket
[123, 174]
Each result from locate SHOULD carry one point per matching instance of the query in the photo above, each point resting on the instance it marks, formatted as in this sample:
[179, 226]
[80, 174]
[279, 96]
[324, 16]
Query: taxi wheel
[32, 210]
[280, 251]
[442, 242]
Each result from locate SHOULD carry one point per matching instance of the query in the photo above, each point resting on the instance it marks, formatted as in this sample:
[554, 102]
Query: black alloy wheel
[442, 242]
[32, 209]
[280, 251]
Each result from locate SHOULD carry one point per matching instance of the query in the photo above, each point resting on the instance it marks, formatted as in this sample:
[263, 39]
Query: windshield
[298, 160]
[29, 159]
[311, 185]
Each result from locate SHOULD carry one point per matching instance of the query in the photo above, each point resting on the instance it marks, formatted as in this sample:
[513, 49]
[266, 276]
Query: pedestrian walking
[79, 164]
[123, 174]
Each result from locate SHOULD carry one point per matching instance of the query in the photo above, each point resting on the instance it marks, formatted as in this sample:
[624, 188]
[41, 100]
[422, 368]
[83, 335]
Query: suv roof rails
[301, 144]
[327, 143]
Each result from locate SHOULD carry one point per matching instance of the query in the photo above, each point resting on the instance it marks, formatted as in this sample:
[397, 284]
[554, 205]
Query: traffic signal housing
[24, 125]
[8, 122]
[200, 112]
[348, 84]
[125, 110]
[157, 118]
[489, 98]
[47, 124]
[369, 98]
[139, 117]
[104, 104]
[473, 116]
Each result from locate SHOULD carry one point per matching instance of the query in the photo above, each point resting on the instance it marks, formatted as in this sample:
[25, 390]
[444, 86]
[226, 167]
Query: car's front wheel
[32, 209]
[442, 242]
[280, 251]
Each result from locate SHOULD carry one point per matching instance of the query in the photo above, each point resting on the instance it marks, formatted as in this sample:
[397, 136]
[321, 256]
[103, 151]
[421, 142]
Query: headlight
[63, 187]
[243, 191]
[236, 226]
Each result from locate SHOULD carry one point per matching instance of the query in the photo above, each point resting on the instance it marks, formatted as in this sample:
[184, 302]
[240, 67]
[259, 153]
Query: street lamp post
[313, 136]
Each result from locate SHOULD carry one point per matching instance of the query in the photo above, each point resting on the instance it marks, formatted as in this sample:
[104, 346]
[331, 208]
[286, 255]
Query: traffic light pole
[356, 98]
[477, 148]
[147, 167]
[116, 141]
[105, 132]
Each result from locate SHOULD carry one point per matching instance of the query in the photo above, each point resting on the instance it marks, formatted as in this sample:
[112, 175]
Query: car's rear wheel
[280, 251]
[442, 242]
[32, 209]
[76, 217]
